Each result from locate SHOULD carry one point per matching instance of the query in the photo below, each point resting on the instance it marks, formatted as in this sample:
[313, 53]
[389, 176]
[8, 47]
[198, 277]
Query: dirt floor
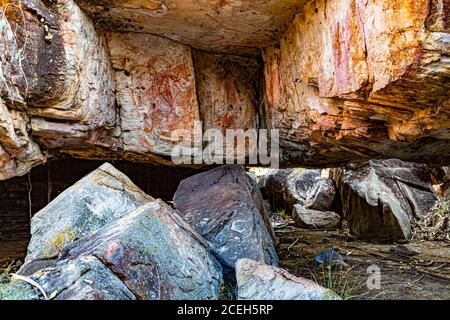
[423, 276]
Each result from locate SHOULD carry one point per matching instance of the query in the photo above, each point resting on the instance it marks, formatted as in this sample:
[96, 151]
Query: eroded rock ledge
[343, 80]
[362, 79]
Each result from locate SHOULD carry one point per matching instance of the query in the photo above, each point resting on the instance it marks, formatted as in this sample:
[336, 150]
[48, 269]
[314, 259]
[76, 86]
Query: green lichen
[62, 239]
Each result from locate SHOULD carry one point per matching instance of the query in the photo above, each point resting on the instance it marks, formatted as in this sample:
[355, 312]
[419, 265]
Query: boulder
[382, 197]
[441, 180]
[321, 196]
[156, 254]
[101, 197]
[330, 257]
[281, 188]
[288, 187]
[257, 281]
[86, 278]
[148, 254]
[261, 175]
[225, 206]
[313, 219]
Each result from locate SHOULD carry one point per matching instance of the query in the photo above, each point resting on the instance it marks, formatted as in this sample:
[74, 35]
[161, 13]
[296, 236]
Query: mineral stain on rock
[357, 85]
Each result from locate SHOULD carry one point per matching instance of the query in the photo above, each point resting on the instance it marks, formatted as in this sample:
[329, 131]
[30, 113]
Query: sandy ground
[424, 276]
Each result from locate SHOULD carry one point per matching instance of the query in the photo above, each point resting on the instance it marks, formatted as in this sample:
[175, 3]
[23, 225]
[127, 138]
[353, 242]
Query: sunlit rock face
[111, 80]
[56, 83]
[18, 152]
[362, 79]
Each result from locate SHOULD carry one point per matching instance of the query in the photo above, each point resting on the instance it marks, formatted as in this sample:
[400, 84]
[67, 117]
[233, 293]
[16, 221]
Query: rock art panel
[156, 92]
[227, 91]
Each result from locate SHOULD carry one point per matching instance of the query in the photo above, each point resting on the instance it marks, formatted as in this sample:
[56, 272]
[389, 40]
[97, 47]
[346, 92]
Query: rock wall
[344, 80]
[56, 82]
[362, 79]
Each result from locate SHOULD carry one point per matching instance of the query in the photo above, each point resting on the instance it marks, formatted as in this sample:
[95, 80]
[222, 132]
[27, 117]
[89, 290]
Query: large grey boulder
[225, 206]
[313, 219]
[288, 187]
[149, 254]
[382, 197]
[280, 188]
[321, 196]
[257, 281]
[101, 197]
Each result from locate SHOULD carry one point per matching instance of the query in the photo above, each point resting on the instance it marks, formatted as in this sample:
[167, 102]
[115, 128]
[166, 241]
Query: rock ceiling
[231, 26]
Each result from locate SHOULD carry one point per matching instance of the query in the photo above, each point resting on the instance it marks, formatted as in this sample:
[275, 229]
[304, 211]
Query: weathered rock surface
[362, 79]
[148, 254]
[321, 196]
[156, 92]
[257, 281]
[234, 26]
[55, 69]
[441, 179]
[156, 254]
[330, 257]
[225, 206]
[313, 219]
[308, 188]
[261, 176]
[227, 91]
[346, 80]
[281, 188]
[18, 151]
[380, 198]
[100, 198]
[86, 278]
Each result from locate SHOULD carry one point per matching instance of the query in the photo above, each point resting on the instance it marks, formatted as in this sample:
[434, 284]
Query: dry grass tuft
[436, 225]
[341, 281]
